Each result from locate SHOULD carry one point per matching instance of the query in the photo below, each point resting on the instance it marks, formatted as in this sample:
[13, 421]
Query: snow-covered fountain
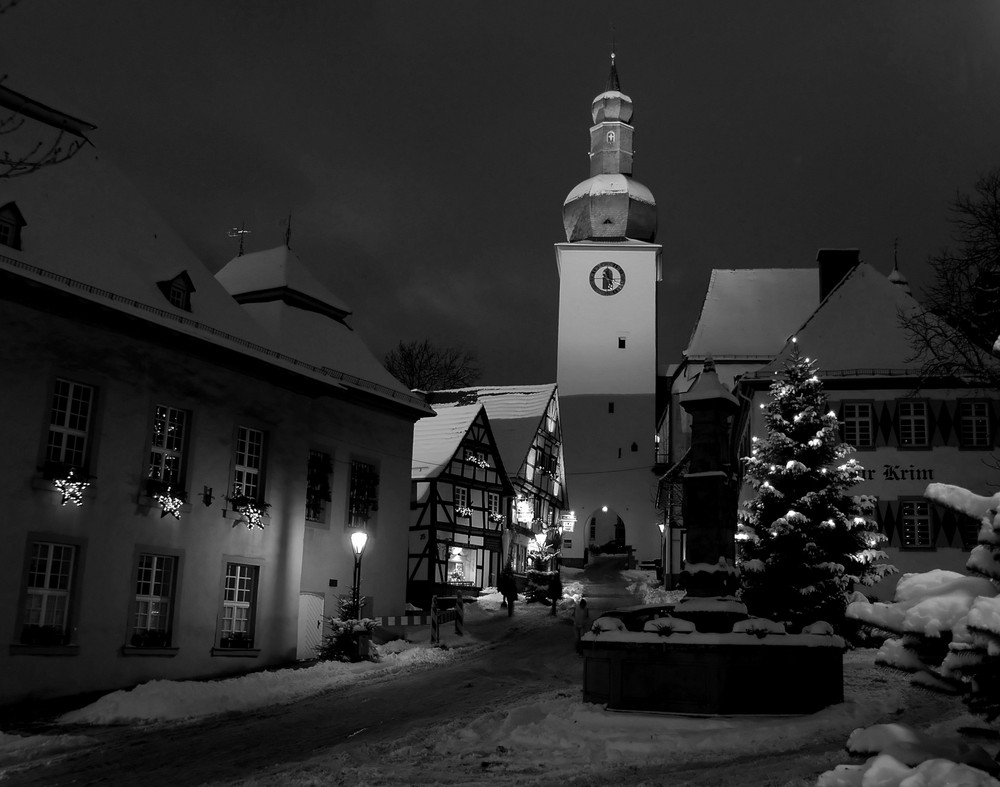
[710, 656]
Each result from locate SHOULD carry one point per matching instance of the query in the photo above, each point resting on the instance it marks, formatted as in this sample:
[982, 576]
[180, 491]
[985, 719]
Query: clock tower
[606, 368]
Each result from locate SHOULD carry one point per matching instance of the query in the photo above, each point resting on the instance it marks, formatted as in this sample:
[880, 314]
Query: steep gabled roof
[857, 328]
[749, 313]
[94, 237]
[435, 440]
[515, 413]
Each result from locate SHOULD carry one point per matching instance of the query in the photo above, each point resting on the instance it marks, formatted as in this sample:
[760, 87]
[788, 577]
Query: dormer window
[178, 290]
[11, 222]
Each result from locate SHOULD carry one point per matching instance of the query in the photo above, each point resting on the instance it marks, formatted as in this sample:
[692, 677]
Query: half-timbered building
[526, 423]
[460, 505]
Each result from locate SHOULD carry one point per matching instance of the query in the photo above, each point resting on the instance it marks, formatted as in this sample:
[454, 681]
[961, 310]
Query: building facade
[460, 505]
[165, 512]
[908, 431]
[526, 422]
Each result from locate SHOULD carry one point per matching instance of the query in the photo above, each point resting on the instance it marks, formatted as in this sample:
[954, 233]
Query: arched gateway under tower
[606, 371]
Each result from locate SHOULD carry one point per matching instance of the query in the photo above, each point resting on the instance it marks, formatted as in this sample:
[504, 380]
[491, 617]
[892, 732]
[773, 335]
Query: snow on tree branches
[946, 625]
[804, 541]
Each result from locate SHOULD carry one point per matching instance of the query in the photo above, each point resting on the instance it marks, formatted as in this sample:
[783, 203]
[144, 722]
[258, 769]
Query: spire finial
[288, 232]
[613, 76]
[895, 254]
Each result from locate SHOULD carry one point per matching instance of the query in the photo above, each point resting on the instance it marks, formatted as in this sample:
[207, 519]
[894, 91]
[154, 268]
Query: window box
[43, 636]
[168, 653]
[251, 512]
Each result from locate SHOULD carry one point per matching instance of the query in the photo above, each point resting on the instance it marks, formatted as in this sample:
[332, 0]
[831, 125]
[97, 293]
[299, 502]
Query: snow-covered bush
[805, 542]
[900, 756]
[947, 625]
[348, 640]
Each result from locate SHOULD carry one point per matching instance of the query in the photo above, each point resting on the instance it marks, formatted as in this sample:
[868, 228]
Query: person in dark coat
[555, 590]
[507, 586]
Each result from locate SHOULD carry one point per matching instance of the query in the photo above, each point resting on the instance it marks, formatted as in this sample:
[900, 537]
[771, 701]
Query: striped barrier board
[415, 619]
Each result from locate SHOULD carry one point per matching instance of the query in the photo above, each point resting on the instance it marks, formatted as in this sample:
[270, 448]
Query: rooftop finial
[895, 254]
[613, 76]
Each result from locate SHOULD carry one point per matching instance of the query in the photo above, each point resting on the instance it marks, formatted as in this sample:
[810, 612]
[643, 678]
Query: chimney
[834, 265]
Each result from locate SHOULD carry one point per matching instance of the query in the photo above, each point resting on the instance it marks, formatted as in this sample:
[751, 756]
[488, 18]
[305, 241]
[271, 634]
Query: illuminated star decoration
[72, 490]
[170, 505]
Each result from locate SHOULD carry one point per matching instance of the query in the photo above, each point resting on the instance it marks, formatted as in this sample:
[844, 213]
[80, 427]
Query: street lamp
[359, 539]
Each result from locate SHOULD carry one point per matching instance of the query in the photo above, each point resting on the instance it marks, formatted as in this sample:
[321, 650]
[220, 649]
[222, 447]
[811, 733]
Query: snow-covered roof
[435, 440]
[751, 312]
[89, 233]
[856, 327]
[515, 413]
[275, 269]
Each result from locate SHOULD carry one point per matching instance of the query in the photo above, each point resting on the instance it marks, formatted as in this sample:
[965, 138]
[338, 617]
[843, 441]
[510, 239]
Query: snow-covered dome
[609, 206]
[611, 105]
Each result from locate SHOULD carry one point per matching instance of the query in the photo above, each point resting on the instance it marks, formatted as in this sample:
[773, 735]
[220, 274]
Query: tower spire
[613, 83]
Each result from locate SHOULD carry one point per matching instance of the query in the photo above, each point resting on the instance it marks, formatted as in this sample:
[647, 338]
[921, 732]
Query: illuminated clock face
[607, 278]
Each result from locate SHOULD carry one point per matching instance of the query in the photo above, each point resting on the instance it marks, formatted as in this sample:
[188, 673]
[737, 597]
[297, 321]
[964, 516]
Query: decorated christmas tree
[804, 541]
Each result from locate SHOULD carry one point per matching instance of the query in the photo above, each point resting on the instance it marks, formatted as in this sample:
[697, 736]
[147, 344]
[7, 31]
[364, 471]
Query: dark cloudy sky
[424, 149]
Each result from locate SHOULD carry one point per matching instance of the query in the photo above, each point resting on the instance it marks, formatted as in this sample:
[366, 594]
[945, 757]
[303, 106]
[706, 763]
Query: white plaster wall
[131, 375]
[589, 359]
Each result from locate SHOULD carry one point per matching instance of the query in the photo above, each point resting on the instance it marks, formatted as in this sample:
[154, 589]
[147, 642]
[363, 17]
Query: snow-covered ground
[554, 737]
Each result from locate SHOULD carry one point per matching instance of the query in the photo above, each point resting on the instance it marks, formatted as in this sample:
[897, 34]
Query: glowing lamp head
[359, 539]
[662, 527]
[604, 509]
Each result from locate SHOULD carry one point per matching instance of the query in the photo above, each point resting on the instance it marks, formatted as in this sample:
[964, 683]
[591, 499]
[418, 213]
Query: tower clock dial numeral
[607, 278]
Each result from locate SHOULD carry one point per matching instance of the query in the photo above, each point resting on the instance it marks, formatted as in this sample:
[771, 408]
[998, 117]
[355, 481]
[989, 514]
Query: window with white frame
[363, 496]
[49, 584]
[154, 601]
[858, 425]
[249, 463]
[911, 416]
[166, 448]
[915, 523]
[239, 606]
[461, 498]
[493, 503]
[69, 423]
[974, 424]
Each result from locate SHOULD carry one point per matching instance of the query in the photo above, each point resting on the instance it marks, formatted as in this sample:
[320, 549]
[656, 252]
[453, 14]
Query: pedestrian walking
[581, 622]
[507, 586]
[555, 590]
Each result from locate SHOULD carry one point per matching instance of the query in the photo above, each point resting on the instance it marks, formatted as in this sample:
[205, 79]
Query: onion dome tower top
[610, 205]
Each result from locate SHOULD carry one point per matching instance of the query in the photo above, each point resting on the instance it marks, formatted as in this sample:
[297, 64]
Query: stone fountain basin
[713, 674]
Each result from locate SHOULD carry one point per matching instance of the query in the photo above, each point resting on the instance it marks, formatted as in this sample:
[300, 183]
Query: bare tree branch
[49, 138]
[421, 365]
[953, 335]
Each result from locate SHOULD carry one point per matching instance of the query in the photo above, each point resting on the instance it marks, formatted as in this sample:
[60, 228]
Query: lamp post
[359, 539]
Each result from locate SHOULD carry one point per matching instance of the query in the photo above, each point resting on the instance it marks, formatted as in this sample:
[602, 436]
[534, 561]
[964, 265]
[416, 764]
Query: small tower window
[611, 137]
[611, 407]
[621, 342]
[178, 290]
[11, 222]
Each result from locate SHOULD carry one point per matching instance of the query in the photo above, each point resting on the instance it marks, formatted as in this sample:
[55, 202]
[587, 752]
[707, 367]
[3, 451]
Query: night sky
[424, 149]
